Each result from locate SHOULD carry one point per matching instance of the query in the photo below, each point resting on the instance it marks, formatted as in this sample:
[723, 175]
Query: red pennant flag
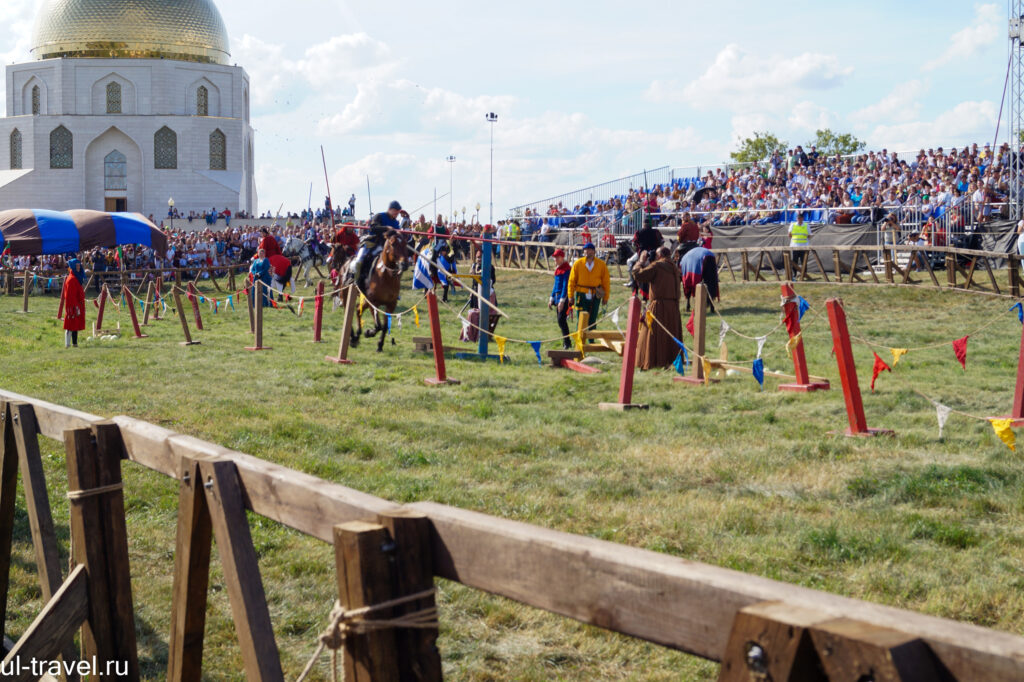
[960, 349]
[689, 324]
[879, 367]
[273, 303]
[288, 297]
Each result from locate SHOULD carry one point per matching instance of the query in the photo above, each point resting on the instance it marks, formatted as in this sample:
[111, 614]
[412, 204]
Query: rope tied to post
[345, 622]
[75, 495]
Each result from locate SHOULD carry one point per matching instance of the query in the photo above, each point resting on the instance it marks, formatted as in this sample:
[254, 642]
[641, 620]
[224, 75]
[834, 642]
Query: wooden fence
[758, 628]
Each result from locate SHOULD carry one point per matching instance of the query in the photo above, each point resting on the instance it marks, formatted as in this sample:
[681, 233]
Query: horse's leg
[358, 331]
[383, 327]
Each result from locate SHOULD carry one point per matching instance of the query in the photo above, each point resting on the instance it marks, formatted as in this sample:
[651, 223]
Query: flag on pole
[421, 278]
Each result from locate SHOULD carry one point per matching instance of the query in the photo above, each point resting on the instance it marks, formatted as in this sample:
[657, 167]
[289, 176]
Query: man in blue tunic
[260, 271]
[373, 241]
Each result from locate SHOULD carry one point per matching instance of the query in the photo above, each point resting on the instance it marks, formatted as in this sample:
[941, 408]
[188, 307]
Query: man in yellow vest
[589, 283]
[799, 238]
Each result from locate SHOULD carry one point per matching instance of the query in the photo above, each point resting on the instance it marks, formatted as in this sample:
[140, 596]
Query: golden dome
[189, 30]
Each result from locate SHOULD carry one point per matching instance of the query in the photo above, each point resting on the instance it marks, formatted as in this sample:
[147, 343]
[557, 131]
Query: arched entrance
[115, 182]
[114, 174]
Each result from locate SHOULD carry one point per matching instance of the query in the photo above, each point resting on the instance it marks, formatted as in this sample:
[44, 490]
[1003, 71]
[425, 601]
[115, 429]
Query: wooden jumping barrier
[755, 626]
[791, 313]
[184, 322]
[193, 298]
[126, 298]
[147, 308]
[440, 377]
[97, 327]
[625, 401]
[848, 372]
[26, 288]
[700, 321]
[258, 295]
[318, 313]
[346, 329]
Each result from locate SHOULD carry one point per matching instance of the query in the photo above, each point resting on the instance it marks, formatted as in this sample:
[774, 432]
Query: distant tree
[758, 148]
[831, 144]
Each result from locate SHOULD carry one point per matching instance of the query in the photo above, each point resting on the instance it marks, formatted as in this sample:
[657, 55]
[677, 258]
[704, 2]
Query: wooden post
[1013, 263]
[745, 264]
[191, 577]
[148, 307]
[8, 490]
[100, 542]
[887, 258]
[837, 266]
[318, 313]
[225, 500]
[184, 322]
[346, 329]
[791, 313]
[250, 293]
[9, 284]
[628, 362]
[126, 297]
[97, 327]
[60, 306]
[177, 276]
[259, 316]
[26, 286]
[363, 554]
[700, 320]
[231, 279]
[787, 265]
[159, 299]
[441, 377]
[848, 372]
[193, 297]
[412, 534]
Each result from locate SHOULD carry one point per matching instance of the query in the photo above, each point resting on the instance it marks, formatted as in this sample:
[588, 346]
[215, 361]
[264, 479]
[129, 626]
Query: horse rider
[373, 241]
[268, 243]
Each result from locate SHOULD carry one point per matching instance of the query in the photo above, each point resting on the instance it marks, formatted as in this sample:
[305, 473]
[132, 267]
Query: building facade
[128, 104]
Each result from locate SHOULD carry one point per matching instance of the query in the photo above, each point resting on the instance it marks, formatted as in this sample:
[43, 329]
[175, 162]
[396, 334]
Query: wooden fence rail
[715, 613]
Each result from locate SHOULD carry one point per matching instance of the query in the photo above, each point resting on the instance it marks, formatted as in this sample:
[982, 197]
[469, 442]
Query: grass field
[726, 474]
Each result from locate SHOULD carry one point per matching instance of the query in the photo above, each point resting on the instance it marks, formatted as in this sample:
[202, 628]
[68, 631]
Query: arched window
[165, 148]
[202, 101]
[15, 149]
[218, 151]
[35, 100]
[61, 146]
[113, 97]
[115, 171]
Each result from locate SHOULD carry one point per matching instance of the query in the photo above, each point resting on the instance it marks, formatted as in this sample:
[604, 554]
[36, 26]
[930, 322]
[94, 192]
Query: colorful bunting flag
[679, 363]
[793, 342]
[802, 305]
[960, 350]
[416, 316]
[706, 364]
[1005, 433]
[577, 341]
[536, 351]
[761, 340]
[1020, 311]
[689, 324]
[615, 318]
[231, 302]
[878, 368]
[682, 349]
[942, 414]
[759, 371]
[723, 330]
[500, 340]
[897, 353]
[388, 315]
[302, 305]
[649, 316]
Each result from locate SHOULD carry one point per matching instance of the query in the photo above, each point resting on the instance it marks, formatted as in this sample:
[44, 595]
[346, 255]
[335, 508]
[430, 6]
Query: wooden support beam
[225, 499]
[745, 264]
[8, 490]
[363, 553]
[191, 577]
[772, 641]
[1013, 264]
[991, 276]
[837, 266]
[817, 259]
[853, 650]
[53, 631]
[970, 272]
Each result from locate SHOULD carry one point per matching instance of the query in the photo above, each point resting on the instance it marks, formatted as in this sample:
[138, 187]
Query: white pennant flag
[398, 321]
[723, 331]
[760, 344]
[615, 317]
[942, 413]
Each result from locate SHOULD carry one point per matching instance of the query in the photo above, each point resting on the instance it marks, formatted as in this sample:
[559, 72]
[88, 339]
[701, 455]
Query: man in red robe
[74, 308]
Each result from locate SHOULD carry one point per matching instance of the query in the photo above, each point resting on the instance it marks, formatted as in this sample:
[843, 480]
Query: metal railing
[597, 193]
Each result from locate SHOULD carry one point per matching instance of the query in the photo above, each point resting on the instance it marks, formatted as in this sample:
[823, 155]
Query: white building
[128, 104]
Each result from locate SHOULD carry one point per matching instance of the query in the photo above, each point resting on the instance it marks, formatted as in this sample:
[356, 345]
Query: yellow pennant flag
[500, 340]
[362, 300]
[650, 319]
[791, 344]
[416, 316]
[897, 353]
[707, 369]
[1005, 433]
[577, 342]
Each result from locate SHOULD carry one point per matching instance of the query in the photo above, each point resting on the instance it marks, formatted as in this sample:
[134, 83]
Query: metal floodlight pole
[1016, 122]
[485, 259]
[451, 175]
[492, 118]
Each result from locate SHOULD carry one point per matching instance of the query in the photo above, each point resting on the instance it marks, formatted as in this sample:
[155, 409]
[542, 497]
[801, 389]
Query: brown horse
[382, 288]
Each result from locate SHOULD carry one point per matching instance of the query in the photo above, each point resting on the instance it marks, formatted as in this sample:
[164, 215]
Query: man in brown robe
[655, 346]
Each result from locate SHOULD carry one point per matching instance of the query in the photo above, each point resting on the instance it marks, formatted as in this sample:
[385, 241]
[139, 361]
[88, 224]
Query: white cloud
[901, 105]
[738, 79]
[17, 17]
[352, 57]
[746, 124]
[966, 122]
[266, 65]
[810, 116]
[983, 31]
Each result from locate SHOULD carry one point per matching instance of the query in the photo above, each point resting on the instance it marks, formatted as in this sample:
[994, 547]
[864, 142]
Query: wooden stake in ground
[628, 362]
[24, 298]
[159, 298]
[700, 322]
[97, 328]
[259, 316]
[848, 372]
[250, 292]
[60, 306]
[441, 377]
[126, 297]
[318, 313]
[193, 297]
[148, 307]
[184, 322]
[791, 313]
[346, 330]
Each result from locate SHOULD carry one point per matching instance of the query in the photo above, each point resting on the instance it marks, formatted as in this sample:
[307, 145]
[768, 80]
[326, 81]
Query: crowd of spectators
[964, 186]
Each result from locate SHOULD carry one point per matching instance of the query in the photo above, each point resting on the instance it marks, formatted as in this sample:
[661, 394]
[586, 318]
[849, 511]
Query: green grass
[728, 474]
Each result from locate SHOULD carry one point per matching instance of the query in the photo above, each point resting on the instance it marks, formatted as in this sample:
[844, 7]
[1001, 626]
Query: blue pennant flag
[682, 350]
[1020, 311]
[231, 302]
[49, 283]
[202, 300]
[536, 349]
[389, 323]
[802, 305]
[679, 364]
[759, 371]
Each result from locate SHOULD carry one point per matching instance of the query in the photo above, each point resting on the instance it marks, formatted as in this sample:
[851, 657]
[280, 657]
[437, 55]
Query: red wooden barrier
[848, 372]
[318, 312]
[128, 300]
[435, 337]
[97, 327]
[628, 362]
[346, 329]
[193, 297]
[791, 311]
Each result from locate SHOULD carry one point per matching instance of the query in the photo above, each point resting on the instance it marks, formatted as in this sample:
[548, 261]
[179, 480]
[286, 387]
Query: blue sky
[584, 91]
